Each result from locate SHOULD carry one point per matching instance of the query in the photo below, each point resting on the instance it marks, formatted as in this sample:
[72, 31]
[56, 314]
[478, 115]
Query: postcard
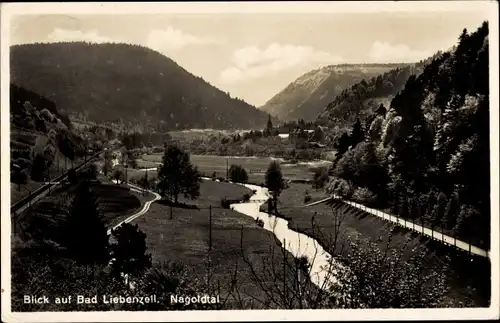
[234, 161]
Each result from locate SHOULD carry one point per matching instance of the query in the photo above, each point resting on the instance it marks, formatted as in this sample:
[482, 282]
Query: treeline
[136, 140]
[256, 143]
[427, 158]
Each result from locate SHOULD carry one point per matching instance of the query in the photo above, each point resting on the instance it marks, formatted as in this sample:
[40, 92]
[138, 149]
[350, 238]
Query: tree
[86, 235]
[129, 251]
[319, 135]
[177, 175]
[274, 181]
[108, 163]
[118, 176]
[238, 174]
[357, 134]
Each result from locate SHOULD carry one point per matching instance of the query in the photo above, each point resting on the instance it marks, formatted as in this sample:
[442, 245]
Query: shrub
[341, 187]
[224, 203]
[129, 252]
[364, 196]
[307, 198]
[18, 176]
[320, 177]
[259, 222]
[246, 197]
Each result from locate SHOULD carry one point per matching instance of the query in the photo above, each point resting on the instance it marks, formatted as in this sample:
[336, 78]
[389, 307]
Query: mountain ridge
[306, 97]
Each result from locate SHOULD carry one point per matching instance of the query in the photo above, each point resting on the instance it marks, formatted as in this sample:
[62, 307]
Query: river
[323, 267]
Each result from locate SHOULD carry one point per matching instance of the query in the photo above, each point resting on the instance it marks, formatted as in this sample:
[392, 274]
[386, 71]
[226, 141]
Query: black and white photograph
[236, 160]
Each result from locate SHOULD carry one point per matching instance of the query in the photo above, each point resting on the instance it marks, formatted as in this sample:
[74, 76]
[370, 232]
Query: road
[144, 209]
[413, 226]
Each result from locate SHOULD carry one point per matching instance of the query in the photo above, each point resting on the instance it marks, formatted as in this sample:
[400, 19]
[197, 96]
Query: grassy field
[255, 166]
[186, 238]
[469, 280]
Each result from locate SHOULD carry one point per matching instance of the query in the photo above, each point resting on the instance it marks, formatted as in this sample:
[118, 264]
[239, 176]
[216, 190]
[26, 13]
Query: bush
[246, 197]
[259, 222]
[307, 198]
[320, 177]
[18, 176]
[340, 187]
[224, 203]
[129, 252]
[364, 196]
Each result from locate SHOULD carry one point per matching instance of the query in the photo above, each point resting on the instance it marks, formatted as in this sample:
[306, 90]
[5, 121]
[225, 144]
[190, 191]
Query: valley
[157, 182]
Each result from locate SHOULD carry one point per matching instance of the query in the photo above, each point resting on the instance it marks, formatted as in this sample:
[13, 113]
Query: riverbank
[469, 281]
[228, 252]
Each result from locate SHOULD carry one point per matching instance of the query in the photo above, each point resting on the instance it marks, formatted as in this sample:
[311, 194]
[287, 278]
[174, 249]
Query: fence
[430, 232]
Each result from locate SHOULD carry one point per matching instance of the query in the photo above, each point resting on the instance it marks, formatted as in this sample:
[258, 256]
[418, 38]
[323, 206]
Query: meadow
[215, 252]
[255, 166]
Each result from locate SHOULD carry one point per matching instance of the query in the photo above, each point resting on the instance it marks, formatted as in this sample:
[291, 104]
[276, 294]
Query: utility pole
[146, 181]
[210, 228]
[284, 268]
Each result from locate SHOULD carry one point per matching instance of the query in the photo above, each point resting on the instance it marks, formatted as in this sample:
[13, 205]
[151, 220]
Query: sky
[253, 56]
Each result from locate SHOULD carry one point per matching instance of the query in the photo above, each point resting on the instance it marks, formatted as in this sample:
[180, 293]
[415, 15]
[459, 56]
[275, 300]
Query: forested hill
[129, 84]
[362, 98]
[308, 95]
[427, 157]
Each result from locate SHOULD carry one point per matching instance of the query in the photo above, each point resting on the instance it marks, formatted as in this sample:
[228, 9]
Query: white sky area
[254, 56]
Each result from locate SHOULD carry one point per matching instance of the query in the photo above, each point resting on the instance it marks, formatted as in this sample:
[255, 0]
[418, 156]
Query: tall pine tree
[86, 236]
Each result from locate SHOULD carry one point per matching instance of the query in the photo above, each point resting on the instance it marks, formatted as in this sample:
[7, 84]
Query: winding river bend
[323, 267]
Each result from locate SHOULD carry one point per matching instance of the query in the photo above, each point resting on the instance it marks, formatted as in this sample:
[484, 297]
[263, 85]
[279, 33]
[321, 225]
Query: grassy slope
[468, 280]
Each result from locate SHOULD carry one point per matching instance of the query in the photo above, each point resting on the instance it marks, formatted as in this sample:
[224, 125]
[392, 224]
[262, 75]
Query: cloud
[63, 35]
[172, 39]
[383, 52]
[252, 62]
